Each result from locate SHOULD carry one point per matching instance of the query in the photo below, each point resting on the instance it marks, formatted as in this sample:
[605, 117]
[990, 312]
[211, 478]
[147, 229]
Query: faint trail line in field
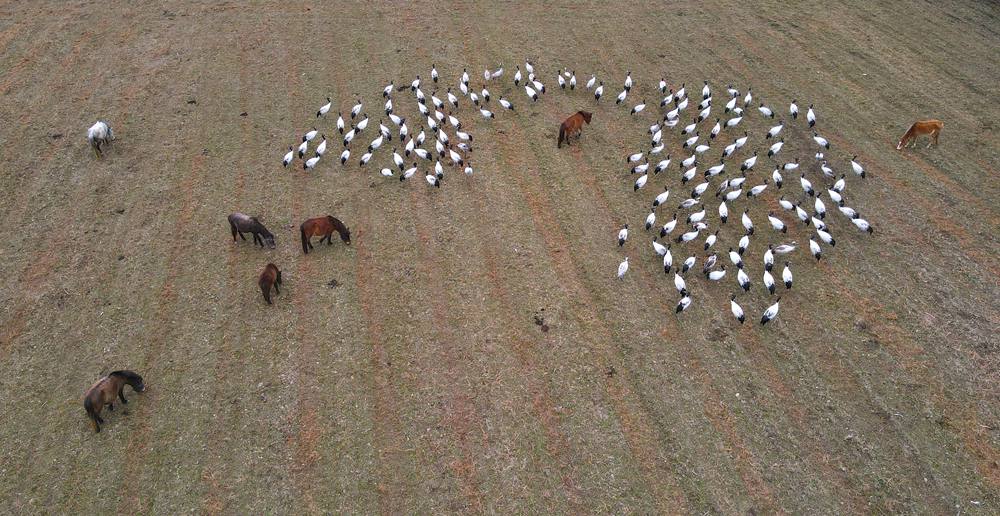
[638, 431]
[759, 354]
[139, 441]
[556, 442]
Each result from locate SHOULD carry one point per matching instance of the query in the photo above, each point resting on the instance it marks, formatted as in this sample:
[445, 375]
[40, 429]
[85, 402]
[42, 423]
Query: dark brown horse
[323, 227]
[573, 126]
[271, 277]
[241, 223]
[104, 392]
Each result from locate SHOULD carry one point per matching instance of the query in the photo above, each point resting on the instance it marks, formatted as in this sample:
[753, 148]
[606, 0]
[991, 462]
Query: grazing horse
[104, 392]
[271, 277]
[931, 128]
[241, 223]
[572, 126]
[100, 134]
[323, 227]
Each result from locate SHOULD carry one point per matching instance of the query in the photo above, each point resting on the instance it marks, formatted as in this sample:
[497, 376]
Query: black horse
[241, 223]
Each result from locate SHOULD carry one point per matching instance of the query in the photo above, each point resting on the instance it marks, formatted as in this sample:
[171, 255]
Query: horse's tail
[88, 405]
[562, 135]
[305, 239]
[278, 279]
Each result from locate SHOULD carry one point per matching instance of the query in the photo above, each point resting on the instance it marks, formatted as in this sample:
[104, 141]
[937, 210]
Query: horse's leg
[111, 406]
[121, 395]
[276, 291]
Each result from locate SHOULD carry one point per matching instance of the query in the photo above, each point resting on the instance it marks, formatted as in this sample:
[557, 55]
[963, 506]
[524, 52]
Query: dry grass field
[420, 381]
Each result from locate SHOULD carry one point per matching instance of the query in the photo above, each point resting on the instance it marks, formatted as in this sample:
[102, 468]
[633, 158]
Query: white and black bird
[743, 280]
[806, 186]
[766, 111]
[692, 140]
[769, 282]
[802, 214]
[811, 116]
[773, 131]
[820, 208]
[735, 258]
[863, 225]
[365, 158]
[623, 268]
[434, 72]
[639, 107]
[717, 169]
[408, 173]
[683, 304]
[769, 258]
[668, 227]
[310, 135]
[303, 147]
[288, 157]
[815, 249]
[363, 124]
[530, 92]
[791, 165]
[716, 275]
[628, 81]
[324, 108]
[572, 80]
[826, 237]
[771, 312]
[743, 244]
[785, 248]
[793, 109]
[688, 264]
[710, 240]
[506, 104]
[641, 182]
[706, 91]
[662, 165]
[668, 260]
[356, 109]
[662, 197]
[344, 156]
[690, 235]
[776, 223]
[621, 97]
[757, 190]
[749, 162]
[310, 163]
[433, 180]
[680, 284]
[858, 169]
[736, 309]
[622, 235]
[786, 275]
[321, 148]
[748, 98]
[340, 123]
[517, 76]
[723, 212]
[650, 219]
[591, 81]
[659, 248]
[452, 98]
[775, 147]
[487, 114]
[560, 80]
[747, 223]
[848, 212]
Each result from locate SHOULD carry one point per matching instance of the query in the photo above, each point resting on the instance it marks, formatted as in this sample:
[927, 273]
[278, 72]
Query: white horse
[98, 134]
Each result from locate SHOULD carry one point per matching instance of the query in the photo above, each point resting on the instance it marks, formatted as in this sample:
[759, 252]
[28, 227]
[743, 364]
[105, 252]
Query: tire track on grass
[761, 358]
[635, 423]
[975, 441]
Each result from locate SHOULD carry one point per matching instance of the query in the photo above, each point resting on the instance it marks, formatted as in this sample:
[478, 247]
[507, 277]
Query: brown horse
[104, 392]
[271, 277]
[323, 227]
[931, 128]
[240, 223]
[572, 126]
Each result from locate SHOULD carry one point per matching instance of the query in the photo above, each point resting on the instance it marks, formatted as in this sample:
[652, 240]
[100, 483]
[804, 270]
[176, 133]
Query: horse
[271, 277]
[323, 227]
[240, 223]
[99, 134]
[103, 393]
[931, 128]
[572, 126]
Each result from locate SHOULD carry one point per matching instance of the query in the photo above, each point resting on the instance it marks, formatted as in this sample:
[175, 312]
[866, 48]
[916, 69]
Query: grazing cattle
[100, 134]
[932, 128]
[323, 227]
[240, 223]
[271, 277]
[104, 391]
[572, 126]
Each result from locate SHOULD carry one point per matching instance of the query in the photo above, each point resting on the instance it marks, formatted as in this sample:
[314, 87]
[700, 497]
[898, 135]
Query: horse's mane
[128, 375]
[337, 223]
